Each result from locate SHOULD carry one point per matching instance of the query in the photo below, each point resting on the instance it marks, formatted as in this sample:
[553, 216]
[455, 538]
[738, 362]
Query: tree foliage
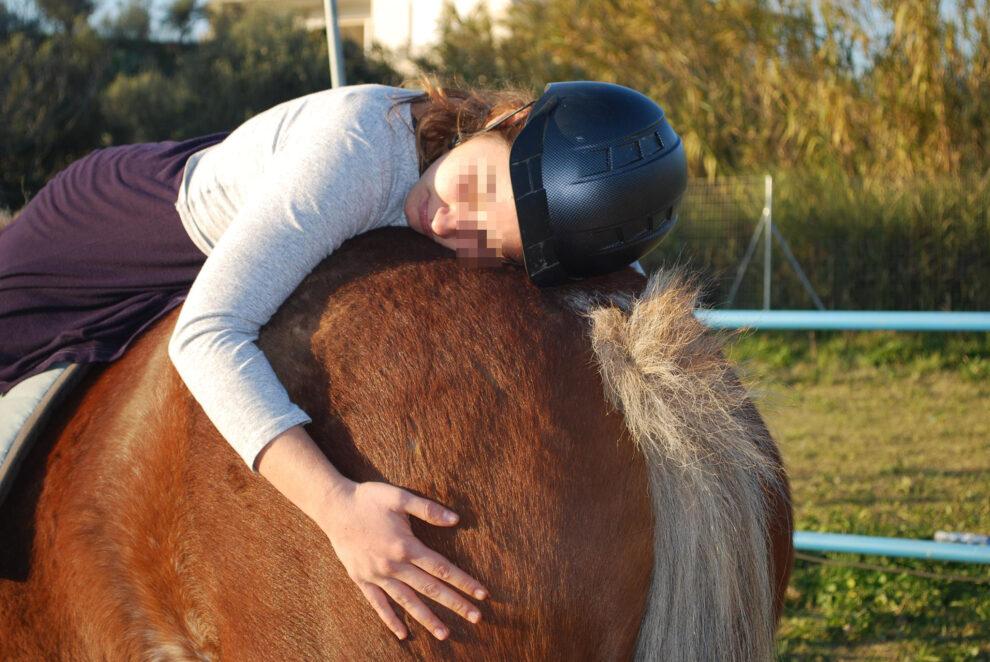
[132, 22]
[872, 115]
[467, 49]
[180, 16]
[48, 101]
[890, 88]
[65, 13]
[65, 92]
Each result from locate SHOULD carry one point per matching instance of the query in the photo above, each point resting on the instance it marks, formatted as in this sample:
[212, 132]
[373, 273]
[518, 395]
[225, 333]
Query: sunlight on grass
[882, 434]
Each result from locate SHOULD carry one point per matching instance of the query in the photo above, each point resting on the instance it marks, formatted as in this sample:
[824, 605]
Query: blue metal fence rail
[863, 320]
[903, 547]
[845, 320]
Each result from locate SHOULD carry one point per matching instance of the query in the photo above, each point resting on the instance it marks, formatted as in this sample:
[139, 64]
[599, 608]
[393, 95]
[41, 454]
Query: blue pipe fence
[905, 547]
[808, 320]
[842, 320]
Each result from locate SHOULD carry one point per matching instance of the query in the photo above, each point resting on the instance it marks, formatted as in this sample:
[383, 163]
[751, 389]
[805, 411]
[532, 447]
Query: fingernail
[480, 594]
[440, 633]
[449, 517]
[474, 616]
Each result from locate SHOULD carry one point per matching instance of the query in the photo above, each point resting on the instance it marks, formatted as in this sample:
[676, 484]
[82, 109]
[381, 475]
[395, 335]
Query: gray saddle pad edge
[37, 422]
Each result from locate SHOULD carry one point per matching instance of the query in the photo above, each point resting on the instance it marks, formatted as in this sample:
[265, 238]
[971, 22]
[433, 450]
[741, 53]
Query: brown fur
[137, 533]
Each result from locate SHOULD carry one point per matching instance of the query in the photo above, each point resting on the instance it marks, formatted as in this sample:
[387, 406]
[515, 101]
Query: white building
[406, 27]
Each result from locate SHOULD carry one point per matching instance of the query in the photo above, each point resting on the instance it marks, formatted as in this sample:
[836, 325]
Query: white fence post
[333, 44]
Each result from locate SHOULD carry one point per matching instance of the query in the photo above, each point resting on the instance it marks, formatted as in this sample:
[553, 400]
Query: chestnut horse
[619, 494]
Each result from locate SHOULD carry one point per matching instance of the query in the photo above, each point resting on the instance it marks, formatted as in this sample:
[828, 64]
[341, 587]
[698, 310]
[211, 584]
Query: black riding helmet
[597, 174]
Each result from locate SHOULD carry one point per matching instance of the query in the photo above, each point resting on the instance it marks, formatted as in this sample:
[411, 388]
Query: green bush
[49, 85]
[64, 93]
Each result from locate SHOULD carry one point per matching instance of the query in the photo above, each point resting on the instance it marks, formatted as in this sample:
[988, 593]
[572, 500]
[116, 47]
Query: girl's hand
[368, 526]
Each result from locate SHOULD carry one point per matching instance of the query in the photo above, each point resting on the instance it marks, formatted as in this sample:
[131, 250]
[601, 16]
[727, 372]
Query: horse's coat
[137, 533]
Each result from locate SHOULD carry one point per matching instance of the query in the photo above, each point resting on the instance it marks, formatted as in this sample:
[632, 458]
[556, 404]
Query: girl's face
[464, 202]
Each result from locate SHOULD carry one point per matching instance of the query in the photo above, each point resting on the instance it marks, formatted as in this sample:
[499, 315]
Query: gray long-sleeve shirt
[267, 205]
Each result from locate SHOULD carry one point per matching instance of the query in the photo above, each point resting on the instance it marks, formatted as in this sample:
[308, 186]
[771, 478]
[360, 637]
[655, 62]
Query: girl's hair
[454, 115]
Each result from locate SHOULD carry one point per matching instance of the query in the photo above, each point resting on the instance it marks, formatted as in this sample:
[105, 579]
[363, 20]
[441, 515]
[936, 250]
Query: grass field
[882, 434]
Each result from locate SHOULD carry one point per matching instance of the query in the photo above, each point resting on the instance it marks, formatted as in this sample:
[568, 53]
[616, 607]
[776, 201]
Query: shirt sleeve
[312, 198]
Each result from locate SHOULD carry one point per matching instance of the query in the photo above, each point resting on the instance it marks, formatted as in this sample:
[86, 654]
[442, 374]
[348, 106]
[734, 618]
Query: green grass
[882, 434]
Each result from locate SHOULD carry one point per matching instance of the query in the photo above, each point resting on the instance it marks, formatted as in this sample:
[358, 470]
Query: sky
[104, 9]
[107, 8]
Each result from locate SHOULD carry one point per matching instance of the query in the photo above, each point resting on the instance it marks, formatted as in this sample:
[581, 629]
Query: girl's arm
[318, 193]
[368, 526]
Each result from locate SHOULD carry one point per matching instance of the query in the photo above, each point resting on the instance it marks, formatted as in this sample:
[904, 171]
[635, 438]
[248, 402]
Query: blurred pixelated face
[464, 202]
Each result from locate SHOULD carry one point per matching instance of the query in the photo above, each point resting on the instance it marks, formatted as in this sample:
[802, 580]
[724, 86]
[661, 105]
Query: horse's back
[142, 534]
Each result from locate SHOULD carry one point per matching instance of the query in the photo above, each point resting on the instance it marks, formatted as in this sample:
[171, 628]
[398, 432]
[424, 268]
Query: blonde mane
[712, 473]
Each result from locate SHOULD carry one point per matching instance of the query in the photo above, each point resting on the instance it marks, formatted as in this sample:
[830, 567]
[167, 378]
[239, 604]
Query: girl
[582, 181]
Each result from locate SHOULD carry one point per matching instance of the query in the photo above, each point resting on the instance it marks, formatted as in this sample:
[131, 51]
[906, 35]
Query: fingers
[431, 562]
[387, 561]
[408, 600]
[400, 589]
[441, 593]
[429, 511]
[436, 565]
[424, 571]
[380, 604]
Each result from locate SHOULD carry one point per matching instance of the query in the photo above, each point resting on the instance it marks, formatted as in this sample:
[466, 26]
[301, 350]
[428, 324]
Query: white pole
[333, 44]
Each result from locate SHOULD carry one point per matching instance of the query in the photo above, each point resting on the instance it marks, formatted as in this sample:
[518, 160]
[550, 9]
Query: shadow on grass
[897, 499]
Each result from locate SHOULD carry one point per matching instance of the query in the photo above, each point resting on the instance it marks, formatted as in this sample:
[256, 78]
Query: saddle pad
[25, 409]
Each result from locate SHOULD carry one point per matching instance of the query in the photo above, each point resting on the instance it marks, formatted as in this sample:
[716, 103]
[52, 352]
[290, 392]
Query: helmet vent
[623, 155]
[660, 145]
[615, 158]
[533, 171]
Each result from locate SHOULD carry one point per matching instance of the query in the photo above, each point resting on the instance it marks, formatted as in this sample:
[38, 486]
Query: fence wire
[716, 223]
[908, 245]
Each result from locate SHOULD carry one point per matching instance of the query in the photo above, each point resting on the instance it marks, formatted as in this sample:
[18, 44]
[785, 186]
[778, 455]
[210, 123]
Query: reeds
[864, 242]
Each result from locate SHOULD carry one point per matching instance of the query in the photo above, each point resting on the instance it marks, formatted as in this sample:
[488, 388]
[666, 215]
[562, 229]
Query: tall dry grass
[865, 243]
